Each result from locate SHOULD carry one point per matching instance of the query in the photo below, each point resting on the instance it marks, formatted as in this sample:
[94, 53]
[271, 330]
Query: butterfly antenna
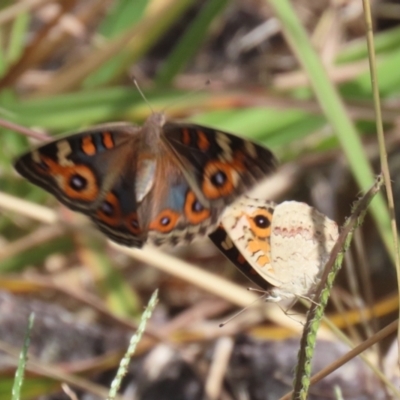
[222, 324]
[135, 82]
[186, 95]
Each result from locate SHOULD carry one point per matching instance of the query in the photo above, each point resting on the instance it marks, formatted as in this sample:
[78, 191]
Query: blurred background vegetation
[68, 64]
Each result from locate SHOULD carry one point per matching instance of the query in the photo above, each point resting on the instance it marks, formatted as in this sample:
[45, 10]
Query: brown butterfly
[167, 182]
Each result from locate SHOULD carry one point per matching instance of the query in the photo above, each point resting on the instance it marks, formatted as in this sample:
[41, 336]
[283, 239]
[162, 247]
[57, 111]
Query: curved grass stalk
[316, 312]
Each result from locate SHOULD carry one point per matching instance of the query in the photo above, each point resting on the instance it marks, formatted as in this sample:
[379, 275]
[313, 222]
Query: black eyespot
[165, 221]
[261, 221]
[219, 178]
[197, 206]
[107, 208]
[78, 182]
[135, 223]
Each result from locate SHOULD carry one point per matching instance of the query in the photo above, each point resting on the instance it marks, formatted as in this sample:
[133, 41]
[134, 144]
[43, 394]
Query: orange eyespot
[221, 178]
[165, 221]
[77, 181]
[109, 210]
[194, 210]
[260, 223]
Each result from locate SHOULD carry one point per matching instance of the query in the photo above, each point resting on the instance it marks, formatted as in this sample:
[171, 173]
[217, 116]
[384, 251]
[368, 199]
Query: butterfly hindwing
[172, 213]
[225, 245]
[117, 214]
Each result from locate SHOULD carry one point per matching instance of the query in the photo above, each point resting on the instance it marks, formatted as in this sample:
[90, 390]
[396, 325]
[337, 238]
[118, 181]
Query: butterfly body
[167, 182]
[287, 245]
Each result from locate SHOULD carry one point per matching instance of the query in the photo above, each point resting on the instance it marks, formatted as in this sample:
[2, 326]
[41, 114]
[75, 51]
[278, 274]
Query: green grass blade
[191, 40]
[19, 374]
[385, 42]
[135, 42]
[19, 31]
[135, 339]
[124, 14]
[3, 61]
[389, 82]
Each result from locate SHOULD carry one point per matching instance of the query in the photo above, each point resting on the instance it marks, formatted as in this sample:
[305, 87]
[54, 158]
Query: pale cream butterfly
[286, 244]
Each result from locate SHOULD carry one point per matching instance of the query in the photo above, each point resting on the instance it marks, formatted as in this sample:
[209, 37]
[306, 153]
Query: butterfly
[164, 182]
[283, 248]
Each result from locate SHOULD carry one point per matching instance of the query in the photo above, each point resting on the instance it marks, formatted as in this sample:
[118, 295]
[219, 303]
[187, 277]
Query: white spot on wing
[225, 143]
[250, 149]
[63, 151]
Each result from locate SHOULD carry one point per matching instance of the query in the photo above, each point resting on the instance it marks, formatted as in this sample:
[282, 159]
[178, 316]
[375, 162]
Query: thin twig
[381, 140]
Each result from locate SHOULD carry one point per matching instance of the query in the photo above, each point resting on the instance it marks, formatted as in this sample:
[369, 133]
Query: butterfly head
[155, 120]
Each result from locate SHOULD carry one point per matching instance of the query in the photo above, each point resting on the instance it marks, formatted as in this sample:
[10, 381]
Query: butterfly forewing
[301, 244]
[219, 166]
[65, 167]
[90, 172]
